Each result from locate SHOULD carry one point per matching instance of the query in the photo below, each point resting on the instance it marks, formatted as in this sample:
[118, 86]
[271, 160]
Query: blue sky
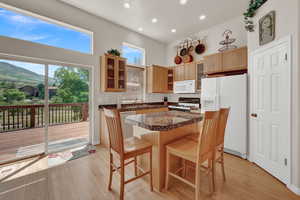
[32, 29]
[27, 28]
[134, 56]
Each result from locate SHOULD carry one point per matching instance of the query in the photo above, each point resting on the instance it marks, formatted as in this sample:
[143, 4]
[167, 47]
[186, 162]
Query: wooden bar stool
[125, 150]
[220, 136]
[224, 112]
[196, 152]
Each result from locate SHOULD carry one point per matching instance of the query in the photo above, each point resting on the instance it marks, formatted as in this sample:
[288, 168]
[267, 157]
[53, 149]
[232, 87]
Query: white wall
[106, 35]
[214, 36]
[287, 22]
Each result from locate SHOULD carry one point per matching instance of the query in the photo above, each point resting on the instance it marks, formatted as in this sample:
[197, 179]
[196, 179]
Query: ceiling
[170, 15]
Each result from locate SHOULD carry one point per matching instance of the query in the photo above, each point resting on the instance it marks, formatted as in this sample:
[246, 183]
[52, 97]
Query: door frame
[287, 40]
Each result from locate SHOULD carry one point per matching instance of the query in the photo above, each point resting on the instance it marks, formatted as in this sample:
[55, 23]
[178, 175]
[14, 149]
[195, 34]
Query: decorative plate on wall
[267, 28]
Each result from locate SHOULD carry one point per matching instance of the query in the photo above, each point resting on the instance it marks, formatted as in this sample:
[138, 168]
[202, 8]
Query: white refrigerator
[229, 91]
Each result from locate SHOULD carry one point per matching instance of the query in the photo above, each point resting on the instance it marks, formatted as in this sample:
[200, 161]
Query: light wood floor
[11, 142]
[86, 179]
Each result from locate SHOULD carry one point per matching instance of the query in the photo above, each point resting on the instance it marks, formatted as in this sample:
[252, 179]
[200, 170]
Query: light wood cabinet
[190, 71]
[185, 72]
[200, 74]
[213, 63]
[170, 79]
[236, 59]
[179, 73]
[157, 79]
[231, 60]
[113, 73]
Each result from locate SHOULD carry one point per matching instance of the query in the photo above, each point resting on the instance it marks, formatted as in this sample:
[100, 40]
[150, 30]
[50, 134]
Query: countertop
[137, 106]
[164, 121]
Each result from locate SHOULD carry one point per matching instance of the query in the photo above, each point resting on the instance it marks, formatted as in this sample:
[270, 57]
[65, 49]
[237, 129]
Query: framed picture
[267, 28]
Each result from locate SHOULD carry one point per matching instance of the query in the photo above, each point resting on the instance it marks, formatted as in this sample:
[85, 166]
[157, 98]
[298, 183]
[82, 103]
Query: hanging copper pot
[188, 58]
[200, 48]
[177, 59]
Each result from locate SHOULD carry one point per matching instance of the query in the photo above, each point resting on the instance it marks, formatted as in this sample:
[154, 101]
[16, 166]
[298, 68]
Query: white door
[270, 109]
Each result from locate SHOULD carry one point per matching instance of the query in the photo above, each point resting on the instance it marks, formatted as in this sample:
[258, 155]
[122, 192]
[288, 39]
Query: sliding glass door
[68, 107]
[43, 108]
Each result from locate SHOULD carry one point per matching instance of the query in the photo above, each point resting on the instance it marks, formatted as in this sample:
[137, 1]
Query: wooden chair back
[207, 139]
[224, 112]
[113, 121]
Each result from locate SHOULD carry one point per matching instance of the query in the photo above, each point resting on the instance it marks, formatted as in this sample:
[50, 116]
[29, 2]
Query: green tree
[12, 95]
[72, 85]
[41, 88]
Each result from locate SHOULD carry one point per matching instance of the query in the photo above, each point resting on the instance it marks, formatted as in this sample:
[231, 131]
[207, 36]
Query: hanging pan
[177, 59]
[184, 50]
[200, 48]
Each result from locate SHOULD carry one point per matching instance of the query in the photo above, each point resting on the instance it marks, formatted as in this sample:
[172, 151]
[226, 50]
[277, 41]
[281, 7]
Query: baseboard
[244, 156]
[294, 189]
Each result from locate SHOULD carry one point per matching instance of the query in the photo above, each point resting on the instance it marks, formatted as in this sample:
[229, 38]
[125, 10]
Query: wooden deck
[13, 143]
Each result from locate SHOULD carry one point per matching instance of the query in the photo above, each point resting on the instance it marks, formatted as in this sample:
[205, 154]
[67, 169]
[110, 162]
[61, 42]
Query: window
[135, 55]
[135, 83]
[44, 31]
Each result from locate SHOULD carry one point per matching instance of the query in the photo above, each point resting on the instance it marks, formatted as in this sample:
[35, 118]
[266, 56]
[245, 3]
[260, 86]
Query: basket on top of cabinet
[113, 73]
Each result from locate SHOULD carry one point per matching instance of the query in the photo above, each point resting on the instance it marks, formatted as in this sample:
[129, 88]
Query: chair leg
[222, 165]
[122, 184]
[135, 166]
[150, 167]
[110, 170]
[167, 171]
[197, 189]
[213, 174]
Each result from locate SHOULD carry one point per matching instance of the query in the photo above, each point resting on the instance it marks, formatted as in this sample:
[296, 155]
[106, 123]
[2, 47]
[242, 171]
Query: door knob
[254, 115]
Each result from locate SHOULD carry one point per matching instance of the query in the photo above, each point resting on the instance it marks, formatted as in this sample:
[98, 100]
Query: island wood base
[159, 140]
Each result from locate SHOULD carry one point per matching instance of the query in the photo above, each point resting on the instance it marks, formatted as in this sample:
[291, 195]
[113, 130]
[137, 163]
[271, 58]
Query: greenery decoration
[254, 5]
[114, 52]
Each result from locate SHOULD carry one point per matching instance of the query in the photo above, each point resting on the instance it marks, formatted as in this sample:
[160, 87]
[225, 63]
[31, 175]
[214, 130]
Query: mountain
[9, 72]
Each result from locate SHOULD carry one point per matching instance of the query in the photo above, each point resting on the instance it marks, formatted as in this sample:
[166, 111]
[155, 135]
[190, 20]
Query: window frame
[52, 21]
[139, 48]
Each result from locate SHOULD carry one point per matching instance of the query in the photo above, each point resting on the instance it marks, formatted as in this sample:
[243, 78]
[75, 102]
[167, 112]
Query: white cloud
[24, 19]
[30, 37]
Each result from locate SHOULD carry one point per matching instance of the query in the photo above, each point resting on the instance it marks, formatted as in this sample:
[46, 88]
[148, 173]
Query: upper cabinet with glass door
[113, 73]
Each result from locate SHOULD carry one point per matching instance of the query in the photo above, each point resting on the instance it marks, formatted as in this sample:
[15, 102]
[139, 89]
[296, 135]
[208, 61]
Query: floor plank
[86, 178]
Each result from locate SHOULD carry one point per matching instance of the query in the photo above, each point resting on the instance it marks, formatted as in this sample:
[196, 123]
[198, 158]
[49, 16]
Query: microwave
[185, 87]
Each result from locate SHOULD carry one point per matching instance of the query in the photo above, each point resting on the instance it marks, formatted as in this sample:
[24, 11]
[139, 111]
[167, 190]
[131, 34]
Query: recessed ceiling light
[173, 30]
[140, 29]
[183, 2]
[126, 5]
[202, 17]
[154, 20]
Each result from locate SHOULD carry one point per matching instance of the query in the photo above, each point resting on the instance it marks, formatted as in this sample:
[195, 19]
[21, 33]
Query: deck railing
[20, 117]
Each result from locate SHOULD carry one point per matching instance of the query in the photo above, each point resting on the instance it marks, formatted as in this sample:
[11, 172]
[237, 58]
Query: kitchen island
[159, 129]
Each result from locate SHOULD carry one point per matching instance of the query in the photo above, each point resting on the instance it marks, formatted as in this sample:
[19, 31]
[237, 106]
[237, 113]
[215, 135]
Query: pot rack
[190, 40]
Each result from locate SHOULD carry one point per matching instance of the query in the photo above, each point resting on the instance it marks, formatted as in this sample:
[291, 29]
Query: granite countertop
[163, 121]
[137, 106]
